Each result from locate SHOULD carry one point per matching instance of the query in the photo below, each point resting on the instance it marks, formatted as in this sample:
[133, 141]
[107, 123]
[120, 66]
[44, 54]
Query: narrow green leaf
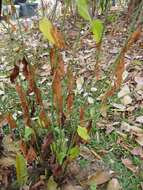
[61, 157]
[74, 152]
[83, 133]
[45, 27]
[97, 28]
[28, 133]
[21, 170]
[83, 9]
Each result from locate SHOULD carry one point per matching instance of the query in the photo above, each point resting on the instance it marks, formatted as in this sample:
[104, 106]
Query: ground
[113, 157]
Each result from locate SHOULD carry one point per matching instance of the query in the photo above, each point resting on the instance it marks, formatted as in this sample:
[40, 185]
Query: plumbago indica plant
[52, 141]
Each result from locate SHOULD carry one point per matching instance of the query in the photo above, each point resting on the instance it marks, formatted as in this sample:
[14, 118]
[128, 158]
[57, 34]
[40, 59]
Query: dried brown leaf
[128, 163]
[14, 74]
[113, 185]
[100, 177]
[23, 147]
[139, 140]
[25, 68]
[58, 38]
[31, 154]
[47, 141]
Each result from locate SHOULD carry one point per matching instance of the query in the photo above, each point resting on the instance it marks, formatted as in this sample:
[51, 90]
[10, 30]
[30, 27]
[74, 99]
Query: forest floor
[113, 159]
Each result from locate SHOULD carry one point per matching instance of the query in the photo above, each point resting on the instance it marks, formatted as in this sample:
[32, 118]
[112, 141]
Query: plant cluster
[53, 140]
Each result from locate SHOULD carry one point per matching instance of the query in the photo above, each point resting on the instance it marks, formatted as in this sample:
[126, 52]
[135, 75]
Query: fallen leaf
[139, 81]
[120, 107]
[1, 93]
[93, 89]
[100, 177]
[103, 110]
[68, 187]
[137, 151]
[139, 140]
[128, 163]
[126, 100]
[113, 185]
[140, 119]
[124, 91]
[79, 83]
[37, 185]
[9, 145]
[127, 127]
[90, 100]
[7, 161]
[125, 74]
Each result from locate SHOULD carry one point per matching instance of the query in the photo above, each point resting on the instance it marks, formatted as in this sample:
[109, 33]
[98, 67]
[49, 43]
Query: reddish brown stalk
[11, 121]
[57, 93]
[57, 64]
[24, 104]
[58, 38]
[43, 117]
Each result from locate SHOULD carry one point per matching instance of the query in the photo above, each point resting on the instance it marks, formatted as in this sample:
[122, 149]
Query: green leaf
[46, 27]
[51, 185]
[83, 133]
[97, 28]
[28, 133]
[83, 9]
[61, 157]
[74, 152]
[93, 186]
[21, 170]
